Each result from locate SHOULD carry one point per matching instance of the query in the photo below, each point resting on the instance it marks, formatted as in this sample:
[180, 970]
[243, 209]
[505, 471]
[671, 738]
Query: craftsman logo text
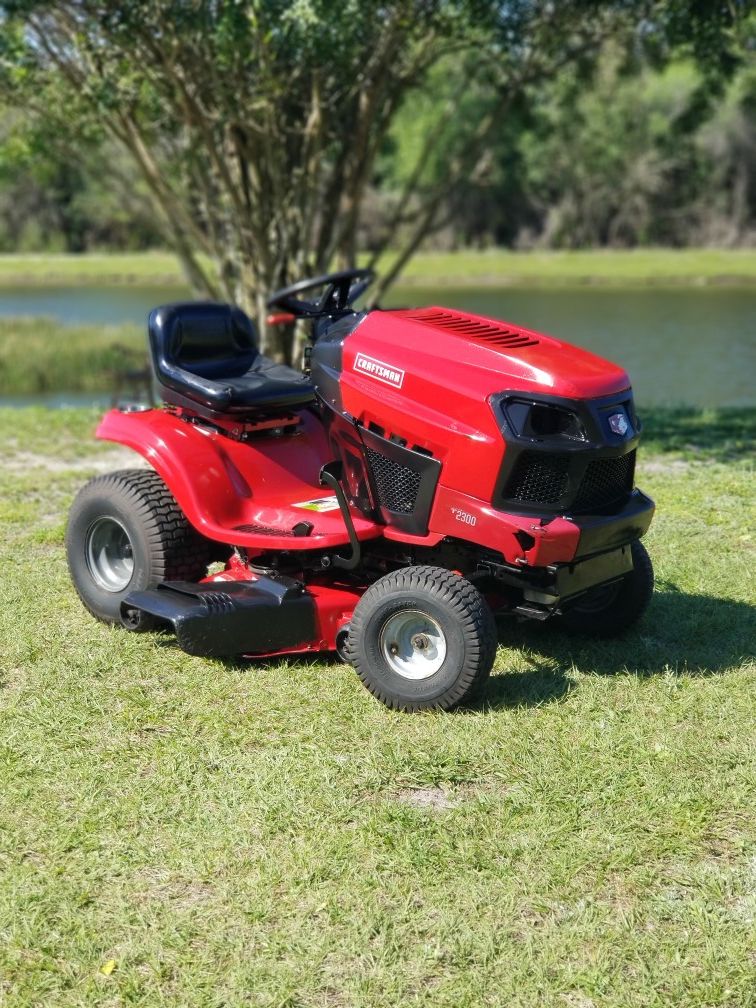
[378, 369]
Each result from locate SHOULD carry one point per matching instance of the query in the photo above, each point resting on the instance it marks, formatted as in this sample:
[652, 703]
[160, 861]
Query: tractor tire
[126, 533]
[422, 638]
[609, 611]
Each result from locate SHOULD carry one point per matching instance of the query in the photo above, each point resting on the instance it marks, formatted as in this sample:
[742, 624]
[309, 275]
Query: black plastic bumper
[603, 555]
[600, 533]
[230, 617]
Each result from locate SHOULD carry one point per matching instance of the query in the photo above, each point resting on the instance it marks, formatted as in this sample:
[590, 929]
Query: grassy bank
[182, 831]
[41, 355]
[495, 267]
[158, 268]
[605, 267]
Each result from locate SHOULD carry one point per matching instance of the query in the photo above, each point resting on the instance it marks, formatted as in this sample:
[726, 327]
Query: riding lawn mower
[428, 473]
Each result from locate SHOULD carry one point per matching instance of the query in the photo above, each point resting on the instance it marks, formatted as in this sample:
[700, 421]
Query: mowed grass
[180, 831]
[469, 267]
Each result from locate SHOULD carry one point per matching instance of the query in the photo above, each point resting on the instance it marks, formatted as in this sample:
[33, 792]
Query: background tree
[256, 125]
[68, 193]
[651, 140]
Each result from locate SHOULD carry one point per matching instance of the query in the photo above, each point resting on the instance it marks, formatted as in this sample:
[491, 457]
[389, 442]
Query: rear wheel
[125, 533]
[609, 610]
[422, 638]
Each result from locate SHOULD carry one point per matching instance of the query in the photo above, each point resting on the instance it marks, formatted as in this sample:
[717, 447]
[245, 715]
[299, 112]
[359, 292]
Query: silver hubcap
[110, 556]
[413, 644]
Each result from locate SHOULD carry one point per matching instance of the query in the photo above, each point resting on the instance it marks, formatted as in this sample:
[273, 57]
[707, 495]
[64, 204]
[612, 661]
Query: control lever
[331, 475]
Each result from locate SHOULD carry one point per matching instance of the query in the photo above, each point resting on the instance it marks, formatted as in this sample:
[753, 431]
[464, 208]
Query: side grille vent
[495, 333]
[397, 485]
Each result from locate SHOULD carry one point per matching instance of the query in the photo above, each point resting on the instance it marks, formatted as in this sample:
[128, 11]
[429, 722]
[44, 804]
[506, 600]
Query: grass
[717, 435]
[39, 355]
[493, 267]
[31, 269]
[181, 831]
[606, 267]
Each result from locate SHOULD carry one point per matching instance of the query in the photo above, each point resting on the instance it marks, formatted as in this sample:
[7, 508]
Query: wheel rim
[110, 555]
[413, 644]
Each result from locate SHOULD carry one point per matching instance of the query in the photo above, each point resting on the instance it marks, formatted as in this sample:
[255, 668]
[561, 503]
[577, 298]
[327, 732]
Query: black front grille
[539, 478]
[397, 485]
[549, 478]
[605, 481]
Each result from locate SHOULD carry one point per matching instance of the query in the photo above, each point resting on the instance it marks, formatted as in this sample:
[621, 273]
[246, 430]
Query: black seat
[205, 358]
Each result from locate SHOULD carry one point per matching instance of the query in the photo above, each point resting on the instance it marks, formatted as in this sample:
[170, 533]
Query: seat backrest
[205, 338]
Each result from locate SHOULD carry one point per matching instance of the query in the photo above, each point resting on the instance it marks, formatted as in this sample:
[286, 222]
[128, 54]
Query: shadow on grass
[719, 435]
[681, 634]
[692, 635]
[544, 683]
[307, 660]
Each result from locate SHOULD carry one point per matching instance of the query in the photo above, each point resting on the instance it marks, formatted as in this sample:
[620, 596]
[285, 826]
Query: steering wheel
[342, 289]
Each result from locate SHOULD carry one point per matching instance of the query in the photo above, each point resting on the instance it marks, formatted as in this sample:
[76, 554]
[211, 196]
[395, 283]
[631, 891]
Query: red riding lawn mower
[429, 469]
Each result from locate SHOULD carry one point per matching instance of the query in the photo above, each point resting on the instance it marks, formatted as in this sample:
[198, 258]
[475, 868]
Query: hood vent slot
[471, 327]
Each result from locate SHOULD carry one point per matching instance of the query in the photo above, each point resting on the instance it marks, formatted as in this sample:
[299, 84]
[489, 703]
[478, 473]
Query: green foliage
[629, 156]
[626, 165]
[610, 173]
[254, 125]
[63, 184]
[273, 138]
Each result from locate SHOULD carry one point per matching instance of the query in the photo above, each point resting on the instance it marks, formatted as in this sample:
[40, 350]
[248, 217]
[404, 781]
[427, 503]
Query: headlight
[542, 421]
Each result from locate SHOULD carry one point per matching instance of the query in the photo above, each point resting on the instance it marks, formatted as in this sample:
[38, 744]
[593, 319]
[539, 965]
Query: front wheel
[422, 638]
[125, 533]
[609, 610]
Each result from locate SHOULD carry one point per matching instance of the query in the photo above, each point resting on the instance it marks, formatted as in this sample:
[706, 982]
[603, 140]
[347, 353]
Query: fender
[246, 493]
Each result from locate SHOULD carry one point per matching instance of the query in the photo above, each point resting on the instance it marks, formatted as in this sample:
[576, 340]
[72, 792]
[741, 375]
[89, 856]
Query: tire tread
[464, 600]
[179, 552]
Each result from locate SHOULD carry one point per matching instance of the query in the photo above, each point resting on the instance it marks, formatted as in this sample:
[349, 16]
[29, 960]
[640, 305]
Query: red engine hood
[491, 354]
[427, 377]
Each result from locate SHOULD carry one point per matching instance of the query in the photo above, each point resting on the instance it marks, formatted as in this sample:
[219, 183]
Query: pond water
[694, 347]
[106, 304]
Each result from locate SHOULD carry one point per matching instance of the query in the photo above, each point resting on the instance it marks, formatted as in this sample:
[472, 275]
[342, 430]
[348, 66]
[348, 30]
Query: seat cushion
[205, 357]
[265, 384]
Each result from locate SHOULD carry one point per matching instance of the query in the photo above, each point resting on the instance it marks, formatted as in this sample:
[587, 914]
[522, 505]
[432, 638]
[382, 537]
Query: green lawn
[494, 267]
[186, 832]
